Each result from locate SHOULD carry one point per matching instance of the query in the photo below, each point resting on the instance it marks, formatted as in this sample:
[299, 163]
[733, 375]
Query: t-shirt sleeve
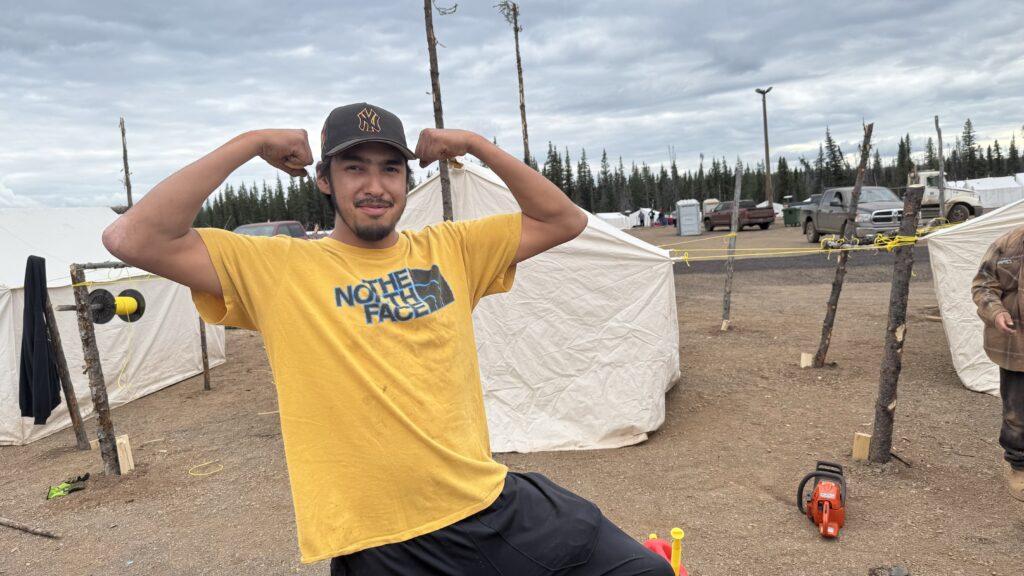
[250, 269]
[489, 245]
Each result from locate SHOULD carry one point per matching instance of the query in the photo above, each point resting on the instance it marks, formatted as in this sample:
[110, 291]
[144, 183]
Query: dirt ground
[743, 425]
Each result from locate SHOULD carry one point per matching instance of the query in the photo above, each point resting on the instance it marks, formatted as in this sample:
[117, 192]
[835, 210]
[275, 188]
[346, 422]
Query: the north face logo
[369, 121]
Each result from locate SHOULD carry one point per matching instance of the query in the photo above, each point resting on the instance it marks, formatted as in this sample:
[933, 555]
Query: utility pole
[124, 155]
[511, 12]
[435, 90]
[769, 196]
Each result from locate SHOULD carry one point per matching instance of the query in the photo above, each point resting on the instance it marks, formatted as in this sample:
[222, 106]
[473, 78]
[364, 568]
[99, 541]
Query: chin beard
[372, 233]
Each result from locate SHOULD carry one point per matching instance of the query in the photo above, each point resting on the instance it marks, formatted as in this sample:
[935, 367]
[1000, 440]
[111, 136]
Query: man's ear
[321, 177]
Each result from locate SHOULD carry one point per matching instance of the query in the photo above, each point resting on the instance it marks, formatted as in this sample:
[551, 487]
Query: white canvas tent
[955, 254]
[994, 192]
[649, 216]
[616, 219]
[158, 350]
[580, 353]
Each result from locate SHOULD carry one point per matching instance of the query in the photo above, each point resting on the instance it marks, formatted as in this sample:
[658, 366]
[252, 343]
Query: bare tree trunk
[65, 378]
[522, 97]
[896, 332]
[848, 224]
[435, 88]
[727, 300]
[91, 355]
[127, 175]
[206, 356]
[942, 173]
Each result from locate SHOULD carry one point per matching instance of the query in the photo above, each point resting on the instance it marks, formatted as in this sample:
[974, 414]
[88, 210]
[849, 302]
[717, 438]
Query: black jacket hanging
[39, 386]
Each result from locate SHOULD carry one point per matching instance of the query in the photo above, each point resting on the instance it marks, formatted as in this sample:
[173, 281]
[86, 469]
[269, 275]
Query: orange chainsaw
[825, 504]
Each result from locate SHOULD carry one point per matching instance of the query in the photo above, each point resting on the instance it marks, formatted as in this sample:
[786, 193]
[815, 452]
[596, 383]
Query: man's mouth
[373, 207]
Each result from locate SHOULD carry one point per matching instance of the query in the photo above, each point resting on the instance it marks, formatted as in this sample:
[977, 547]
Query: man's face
[368, 182]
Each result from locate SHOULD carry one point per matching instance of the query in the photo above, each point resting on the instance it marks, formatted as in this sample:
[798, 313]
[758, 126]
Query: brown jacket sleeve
[986, 288]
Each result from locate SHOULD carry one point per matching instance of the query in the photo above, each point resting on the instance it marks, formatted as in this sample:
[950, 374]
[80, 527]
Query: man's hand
[1004, 322]
[440, 144]
[286, 149]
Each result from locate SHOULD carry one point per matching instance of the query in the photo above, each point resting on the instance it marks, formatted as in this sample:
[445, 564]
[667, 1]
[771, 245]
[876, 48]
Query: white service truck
[960, 204]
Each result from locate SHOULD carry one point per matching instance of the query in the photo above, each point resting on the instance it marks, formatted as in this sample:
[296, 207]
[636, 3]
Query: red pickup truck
[750, 215]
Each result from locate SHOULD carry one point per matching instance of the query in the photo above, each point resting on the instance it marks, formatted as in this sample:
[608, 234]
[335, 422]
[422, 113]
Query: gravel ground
[743, 425]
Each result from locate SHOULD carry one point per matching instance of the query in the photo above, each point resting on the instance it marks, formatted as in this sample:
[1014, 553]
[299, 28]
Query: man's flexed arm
[156, 234]
[549, 217]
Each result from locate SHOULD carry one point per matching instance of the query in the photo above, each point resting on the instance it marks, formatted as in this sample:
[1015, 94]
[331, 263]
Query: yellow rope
[192, 472]
[723, 236]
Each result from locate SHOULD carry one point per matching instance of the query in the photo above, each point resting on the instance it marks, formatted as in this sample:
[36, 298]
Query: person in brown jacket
[998, 294]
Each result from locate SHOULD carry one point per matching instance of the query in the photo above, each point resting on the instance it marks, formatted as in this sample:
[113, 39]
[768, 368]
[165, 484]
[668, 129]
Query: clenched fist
[286, 149]
[442, 144]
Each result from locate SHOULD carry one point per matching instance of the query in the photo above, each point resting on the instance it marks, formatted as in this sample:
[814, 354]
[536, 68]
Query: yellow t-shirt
[375, 363]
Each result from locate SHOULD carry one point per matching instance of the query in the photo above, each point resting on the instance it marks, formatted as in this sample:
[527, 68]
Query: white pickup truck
[960, 204]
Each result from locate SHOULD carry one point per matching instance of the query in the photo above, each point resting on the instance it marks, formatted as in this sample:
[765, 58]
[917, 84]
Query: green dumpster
[791, 216]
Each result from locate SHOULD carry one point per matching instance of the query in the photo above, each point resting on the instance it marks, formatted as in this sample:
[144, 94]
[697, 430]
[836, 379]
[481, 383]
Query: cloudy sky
[634, 78]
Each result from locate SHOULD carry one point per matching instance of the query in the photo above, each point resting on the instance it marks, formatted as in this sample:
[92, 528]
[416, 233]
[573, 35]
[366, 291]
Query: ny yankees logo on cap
[369, 121]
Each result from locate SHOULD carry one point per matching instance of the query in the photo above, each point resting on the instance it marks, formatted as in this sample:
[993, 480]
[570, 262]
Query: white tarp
[955, 255]
[616, 219]
[580, 353]
[994, 192]
[158, 350]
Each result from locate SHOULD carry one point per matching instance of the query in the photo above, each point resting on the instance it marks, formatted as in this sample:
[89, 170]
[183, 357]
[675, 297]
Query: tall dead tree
[942, 172]
[510, 10]
[124, 155]
[848, 224]
[896, 332]
[435, 90]
[727, 299]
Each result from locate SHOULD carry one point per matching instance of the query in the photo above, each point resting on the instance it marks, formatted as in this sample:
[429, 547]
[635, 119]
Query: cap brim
[346, 145]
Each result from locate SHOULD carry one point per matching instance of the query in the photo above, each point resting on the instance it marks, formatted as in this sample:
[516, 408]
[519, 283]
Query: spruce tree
[1013, 165]
[605, 186]
[568, 186]
[585, 183]
[931, 161]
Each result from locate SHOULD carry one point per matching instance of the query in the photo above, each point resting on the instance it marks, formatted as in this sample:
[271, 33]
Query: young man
[369, 334]
[997, 293]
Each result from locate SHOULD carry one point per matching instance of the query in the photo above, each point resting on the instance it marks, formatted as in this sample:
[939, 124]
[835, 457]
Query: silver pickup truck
[879, 211]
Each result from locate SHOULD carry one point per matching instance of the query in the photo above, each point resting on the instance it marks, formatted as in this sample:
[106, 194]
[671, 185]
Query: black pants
[1011, 436]
[534, 528]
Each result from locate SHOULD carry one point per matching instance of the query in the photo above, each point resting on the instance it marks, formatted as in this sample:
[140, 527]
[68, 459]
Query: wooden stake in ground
[68, 387]
[848, 224]
[896, 332]
[942, 172]
[26, 528]
[206, 357]
[727, 300]
[108, 448]
[127, 175]
[511, 12]
[435, 89]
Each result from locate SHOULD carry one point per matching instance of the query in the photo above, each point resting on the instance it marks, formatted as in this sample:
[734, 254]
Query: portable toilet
[688, 217]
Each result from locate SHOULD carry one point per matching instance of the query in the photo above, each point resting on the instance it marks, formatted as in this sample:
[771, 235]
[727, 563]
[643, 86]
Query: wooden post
[727, 300]
[206, 358]
[896, 332]
[127, 175]
[837, 283]
[65, 377]
[108, 448]
[435, 89]
[942, 172]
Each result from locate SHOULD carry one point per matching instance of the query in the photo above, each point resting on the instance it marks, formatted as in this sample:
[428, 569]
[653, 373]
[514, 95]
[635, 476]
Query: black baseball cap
[347, 126]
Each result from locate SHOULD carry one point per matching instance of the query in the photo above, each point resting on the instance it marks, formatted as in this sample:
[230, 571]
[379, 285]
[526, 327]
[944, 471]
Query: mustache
[374, 202]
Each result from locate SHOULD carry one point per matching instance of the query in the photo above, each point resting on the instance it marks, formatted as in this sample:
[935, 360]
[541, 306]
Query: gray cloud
[631, 78]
